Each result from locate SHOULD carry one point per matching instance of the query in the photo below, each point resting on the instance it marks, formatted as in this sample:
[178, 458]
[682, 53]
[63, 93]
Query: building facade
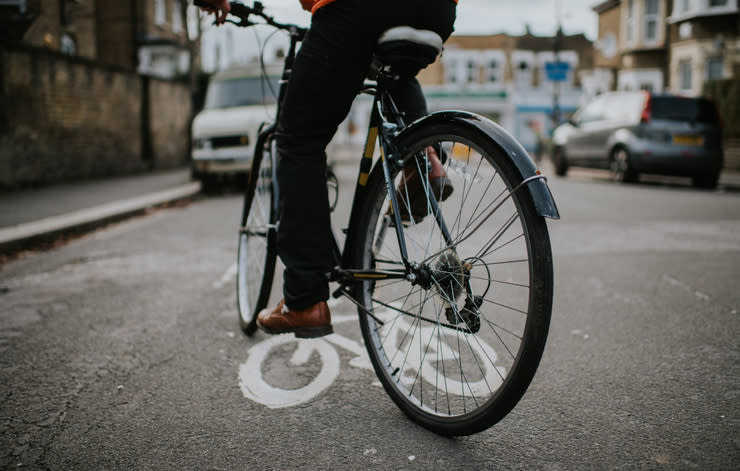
[64, 26]
[705, 43]
[148, 37]
[504, 78]
[664, 45]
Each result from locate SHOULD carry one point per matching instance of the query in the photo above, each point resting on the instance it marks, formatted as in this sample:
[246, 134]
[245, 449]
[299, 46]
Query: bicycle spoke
[458, 316]
[505, 306]
[495, 238]
[494, 326]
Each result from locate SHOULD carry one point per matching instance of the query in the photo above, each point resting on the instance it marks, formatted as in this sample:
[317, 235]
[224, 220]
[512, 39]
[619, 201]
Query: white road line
[687, 288]
[227, 277]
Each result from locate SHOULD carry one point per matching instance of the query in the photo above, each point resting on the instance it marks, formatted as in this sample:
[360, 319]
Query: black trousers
[329, 70]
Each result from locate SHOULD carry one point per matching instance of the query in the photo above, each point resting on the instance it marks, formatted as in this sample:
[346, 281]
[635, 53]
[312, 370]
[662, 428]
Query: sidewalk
[37, 214]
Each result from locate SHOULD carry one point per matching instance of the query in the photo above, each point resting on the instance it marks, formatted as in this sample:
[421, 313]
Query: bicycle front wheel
[457, 344]
[257, 251]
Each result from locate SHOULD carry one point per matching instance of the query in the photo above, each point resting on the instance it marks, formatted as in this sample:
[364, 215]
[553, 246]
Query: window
[523, 75]
[684, 72]
[630, 21]
[493, 62]
[177, 17]
[714, 68]
[492, 72]
[451, 74]
[651, 21]
[684, 109]
[625, 106]
[473, 75]
[593, 111]
[68, 45]
[160, 12]
[241, 91]
[717, 3]
[683, 6]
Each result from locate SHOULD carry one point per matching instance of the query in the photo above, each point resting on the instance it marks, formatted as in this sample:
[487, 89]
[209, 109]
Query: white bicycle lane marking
[256, 388]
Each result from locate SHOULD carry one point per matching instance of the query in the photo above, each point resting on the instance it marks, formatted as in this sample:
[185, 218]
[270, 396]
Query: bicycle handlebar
[243, 12]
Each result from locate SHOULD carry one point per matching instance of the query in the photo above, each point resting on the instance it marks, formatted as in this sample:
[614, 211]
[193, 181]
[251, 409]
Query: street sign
[557, 71]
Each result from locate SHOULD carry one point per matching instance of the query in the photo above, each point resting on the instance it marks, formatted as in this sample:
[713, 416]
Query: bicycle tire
[439, 371]
[257, 252]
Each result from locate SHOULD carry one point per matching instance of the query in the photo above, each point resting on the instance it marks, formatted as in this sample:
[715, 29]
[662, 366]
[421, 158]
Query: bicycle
[454, 304]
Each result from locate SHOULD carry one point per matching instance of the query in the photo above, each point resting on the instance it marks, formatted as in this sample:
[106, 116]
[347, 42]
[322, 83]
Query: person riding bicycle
[328, 72]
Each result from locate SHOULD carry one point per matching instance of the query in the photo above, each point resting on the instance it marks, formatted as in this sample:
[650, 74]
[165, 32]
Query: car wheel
[559, 161]
[620, 167]
[707, 180]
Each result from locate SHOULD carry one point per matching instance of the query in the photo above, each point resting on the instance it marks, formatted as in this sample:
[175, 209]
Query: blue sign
[557, 71]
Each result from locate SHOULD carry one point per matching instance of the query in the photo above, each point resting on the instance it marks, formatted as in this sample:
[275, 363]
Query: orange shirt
[313, 5]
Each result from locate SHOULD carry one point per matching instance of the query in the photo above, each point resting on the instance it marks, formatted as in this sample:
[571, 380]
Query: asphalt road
[121, 350]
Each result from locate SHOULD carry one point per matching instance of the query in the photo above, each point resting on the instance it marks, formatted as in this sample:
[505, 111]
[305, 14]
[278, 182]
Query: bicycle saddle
[407, 50]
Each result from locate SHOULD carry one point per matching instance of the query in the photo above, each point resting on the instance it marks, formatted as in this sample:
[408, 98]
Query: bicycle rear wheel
[257, 251]
[457, 347]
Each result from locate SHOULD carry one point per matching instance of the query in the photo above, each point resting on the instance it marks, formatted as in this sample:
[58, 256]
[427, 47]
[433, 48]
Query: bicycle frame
[386, 123]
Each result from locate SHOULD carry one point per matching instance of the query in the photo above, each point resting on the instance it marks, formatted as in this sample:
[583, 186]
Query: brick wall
[63, 118]
[169, 122]
[115, 35]
[609, 26]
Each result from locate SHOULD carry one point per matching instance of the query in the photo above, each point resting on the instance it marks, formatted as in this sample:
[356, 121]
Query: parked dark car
[640, 132]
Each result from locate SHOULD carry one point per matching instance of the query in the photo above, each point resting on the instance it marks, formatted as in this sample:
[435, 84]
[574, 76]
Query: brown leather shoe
[314, 321]
[410, 192]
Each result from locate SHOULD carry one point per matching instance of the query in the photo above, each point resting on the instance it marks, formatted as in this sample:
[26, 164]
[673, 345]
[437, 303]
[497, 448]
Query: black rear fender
[535, 184]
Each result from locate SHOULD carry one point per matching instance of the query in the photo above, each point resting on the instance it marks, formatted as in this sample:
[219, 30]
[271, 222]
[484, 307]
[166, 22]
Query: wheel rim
[619, 165]
[253, 251]
[455, 359]
[249, 280]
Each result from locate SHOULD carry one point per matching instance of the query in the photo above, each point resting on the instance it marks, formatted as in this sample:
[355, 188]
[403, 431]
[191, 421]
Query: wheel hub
[448, 277]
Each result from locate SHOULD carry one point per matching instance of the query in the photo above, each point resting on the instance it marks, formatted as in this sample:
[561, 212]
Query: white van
[237, 102]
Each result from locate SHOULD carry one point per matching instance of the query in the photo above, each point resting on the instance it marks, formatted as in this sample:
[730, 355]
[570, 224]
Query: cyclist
[329, 70]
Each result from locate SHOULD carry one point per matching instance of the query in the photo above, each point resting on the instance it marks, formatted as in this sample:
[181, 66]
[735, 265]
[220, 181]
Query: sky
[473, 17]
[491, 16]
[512, 16]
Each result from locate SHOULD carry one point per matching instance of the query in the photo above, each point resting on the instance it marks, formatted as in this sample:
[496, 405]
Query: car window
[624, 107]
[684, 109]
[242, 91]
[592, 111]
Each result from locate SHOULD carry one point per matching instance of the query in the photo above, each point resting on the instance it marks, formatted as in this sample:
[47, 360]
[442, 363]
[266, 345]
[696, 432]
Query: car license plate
[683, 140]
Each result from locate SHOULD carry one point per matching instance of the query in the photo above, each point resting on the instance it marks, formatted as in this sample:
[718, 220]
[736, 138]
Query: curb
[14, 237]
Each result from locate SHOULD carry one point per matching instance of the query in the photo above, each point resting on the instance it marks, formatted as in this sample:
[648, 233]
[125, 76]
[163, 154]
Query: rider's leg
[412, 198]
[329, 69]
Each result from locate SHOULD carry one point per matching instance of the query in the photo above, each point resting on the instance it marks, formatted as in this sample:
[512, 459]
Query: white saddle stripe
[418, 36]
